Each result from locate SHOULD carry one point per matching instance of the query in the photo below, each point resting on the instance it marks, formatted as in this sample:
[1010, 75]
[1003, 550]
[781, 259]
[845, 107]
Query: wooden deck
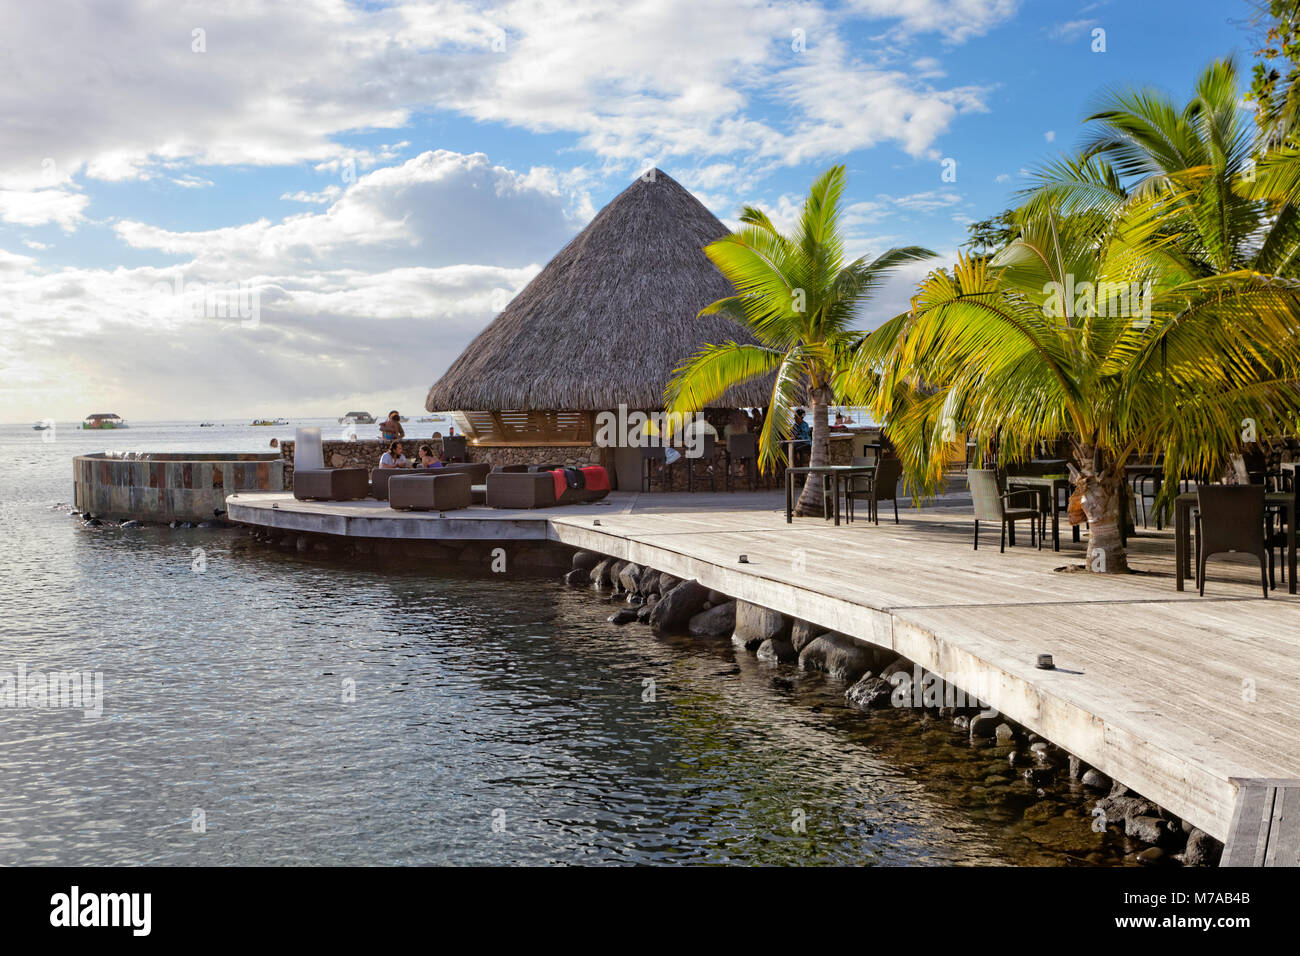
[1185, 699]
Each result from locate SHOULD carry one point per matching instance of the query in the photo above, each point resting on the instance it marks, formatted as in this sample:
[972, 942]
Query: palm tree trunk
[1101, 483]
[810, 499]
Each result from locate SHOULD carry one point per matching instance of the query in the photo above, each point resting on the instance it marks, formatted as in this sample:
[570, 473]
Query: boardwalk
[1175, 695]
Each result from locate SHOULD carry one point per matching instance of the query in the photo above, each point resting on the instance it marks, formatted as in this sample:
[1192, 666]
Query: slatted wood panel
[519, 428]
[1265, 824]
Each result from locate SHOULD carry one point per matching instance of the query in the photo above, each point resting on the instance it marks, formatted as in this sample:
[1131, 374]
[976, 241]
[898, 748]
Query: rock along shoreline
[1037, 776]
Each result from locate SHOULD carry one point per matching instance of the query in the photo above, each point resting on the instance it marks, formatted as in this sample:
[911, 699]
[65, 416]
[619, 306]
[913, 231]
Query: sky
[245, 209]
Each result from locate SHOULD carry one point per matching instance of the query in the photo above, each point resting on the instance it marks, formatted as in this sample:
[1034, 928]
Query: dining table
[1185, 503]
[1050, 489]
[836, 473]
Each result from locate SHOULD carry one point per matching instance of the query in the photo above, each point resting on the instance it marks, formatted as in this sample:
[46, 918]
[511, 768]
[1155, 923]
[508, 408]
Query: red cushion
[596, 478]
[560, 483]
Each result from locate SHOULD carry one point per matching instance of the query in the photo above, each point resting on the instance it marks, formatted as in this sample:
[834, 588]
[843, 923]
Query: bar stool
[707, 453]
[742, 448]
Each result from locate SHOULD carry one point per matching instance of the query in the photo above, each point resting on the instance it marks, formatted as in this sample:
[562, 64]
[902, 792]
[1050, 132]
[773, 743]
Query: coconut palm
[800, 299]
[1197, 158]
[1048, 339]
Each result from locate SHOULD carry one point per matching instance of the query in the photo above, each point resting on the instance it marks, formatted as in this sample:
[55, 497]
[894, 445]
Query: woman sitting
[427, 458]
[394, 457]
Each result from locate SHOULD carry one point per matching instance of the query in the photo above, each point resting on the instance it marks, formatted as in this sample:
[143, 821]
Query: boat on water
[43, 426]
[357, 418]
[271, 421]
[103, 420]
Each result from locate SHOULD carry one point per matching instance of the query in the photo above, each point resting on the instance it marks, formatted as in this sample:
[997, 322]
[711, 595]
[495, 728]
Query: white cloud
[954, 20]
[387, 285]
[328, 194]
[1050, 136]
[1071, 29]
[438, 208]
[36, 207]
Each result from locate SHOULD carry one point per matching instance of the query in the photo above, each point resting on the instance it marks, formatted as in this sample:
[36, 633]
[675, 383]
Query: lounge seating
[991, 505]
[379, 479]
[536, 489]
[330, 484]
[429, 490]
[477, 470]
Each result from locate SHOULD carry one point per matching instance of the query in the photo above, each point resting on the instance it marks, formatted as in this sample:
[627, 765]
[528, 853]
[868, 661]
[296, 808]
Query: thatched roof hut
[606, 322]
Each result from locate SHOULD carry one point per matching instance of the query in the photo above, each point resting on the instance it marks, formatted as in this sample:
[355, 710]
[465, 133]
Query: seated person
[737, 424]
[802, 435]
[394, 457]
[427, 458]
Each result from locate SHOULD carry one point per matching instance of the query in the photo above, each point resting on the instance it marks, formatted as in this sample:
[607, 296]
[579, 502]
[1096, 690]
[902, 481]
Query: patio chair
[991, 504]
[742, 449]
[1230, 518]
[873, 489]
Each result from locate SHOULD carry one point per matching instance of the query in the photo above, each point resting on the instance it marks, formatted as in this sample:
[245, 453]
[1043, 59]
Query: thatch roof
[610, 317]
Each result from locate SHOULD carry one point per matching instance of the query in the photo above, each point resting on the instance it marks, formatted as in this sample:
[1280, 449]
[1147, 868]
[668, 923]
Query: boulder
[586, 560]
[899, 666]
[755, 624]
[1152, 856]
[985, 724]
[648, 583]
[675, 609]
[630, 576]
[667, 582]
[600, 573]
[802, 634]
[1202, 849]
[871, 693]
[623, 616]
[717, 621]
[578, 577]
[643, 613]
[1121, 808]
[615, 569]
[717, 597]
[1144, 828]
[837, 655]
[779, 649]
[1095, 779]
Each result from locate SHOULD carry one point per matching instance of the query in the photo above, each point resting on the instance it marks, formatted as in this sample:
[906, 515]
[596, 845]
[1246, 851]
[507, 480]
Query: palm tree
[1198, 159]
[1049, 339]
[800, 300]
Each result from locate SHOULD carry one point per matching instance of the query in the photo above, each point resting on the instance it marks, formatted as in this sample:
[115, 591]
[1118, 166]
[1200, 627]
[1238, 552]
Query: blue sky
[370, 183]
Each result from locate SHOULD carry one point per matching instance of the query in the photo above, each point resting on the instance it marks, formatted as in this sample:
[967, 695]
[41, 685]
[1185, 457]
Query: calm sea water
[493, 722]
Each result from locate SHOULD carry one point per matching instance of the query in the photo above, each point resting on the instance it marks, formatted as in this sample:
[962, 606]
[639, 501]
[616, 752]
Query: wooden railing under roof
[520, 428]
